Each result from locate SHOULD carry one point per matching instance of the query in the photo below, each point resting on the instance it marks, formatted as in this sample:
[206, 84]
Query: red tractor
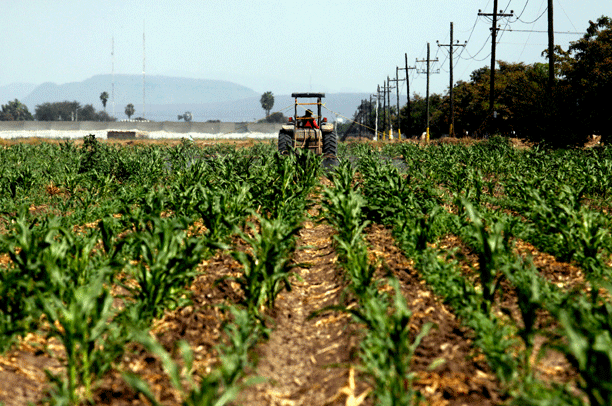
[309, 131]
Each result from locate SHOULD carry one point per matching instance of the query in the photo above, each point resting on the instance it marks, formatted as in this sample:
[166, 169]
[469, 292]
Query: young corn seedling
[343, 177]
[344, 212]
[492, 245]
[267, 268]
[531, 292]
[388, 348]
[358, 266]
[220, 386]
[82, 324]
[222, 210]
[166, 261]
[587, 344]
[45, 258]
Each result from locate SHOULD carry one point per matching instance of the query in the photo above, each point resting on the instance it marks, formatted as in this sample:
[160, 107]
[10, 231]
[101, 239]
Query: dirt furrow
[464, 377]
[306, 361]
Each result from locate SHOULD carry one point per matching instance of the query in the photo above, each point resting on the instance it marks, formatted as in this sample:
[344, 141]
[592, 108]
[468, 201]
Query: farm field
[201, 273]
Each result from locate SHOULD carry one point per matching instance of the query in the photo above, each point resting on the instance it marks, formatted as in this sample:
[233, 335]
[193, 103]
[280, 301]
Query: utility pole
[369, 113]
[494, 29]
[113, 73]
[451, 45]
[389, 101]
[384, 118]
[409, 111]
[143, 69]
[397, 80]
[551, 50]
[377, 115]
[428, 71]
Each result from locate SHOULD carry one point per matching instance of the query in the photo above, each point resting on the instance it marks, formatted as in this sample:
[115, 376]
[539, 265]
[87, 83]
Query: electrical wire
[537, 19]
[561, 5]
[522, 12]
[529, 36]
[473, 57]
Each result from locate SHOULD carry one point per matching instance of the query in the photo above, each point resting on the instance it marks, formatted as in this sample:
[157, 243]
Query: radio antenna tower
[113, 74]
[143, 68]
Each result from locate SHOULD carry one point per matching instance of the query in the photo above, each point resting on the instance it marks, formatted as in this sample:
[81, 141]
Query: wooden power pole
[494, 29]
[397, 80]
[428, 71]
[451, 46]
[551, 50]
[408, 110]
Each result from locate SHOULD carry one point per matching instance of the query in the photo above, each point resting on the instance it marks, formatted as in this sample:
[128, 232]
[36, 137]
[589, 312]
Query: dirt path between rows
[464, 377]
[307, 361]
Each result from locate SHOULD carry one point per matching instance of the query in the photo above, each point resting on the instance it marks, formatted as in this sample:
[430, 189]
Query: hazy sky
[332, 45]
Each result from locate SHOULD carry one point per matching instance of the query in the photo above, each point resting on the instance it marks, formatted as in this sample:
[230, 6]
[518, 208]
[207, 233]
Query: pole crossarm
[494, 17]
[451, 53]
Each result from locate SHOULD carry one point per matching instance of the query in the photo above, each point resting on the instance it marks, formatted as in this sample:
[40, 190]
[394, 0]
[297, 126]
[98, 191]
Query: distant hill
[15, 91]
[249, 109]
[168, 96]
[128, 89]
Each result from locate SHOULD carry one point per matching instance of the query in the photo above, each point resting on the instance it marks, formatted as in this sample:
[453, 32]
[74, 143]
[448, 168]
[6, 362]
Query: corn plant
[166, 261]
[267, 268]
[492, 245]
[282, 189]
[223, 383]
[532, 292]
[82, 324]
[222, 210]
[45, 258]
[343, 176]
[343, 210]
[388, 348]
[587, 327]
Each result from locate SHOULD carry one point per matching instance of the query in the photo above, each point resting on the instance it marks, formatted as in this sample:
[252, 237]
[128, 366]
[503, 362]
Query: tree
[66, 111]
[267, 102]
[187, 116]
[129, 110]
[277, 117]
[88, 113]
[589, 77]
[15, 111]
[58, 111]
[104, 98]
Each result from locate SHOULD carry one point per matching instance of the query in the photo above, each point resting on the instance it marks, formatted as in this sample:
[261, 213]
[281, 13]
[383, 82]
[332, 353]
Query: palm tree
[104, 98]
[129, 110]
[267, 102]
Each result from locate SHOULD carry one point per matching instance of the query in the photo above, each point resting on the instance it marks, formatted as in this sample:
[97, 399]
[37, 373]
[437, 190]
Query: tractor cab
[307, 130]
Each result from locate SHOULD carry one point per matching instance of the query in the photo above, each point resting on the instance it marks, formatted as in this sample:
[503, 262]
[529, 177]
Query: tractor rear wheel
[330, 150]
[330, 144]
[284, 142]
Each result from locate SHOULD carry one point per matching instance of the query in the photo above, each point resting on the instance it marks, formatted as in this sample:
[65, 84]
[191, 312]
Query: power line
[520, 15]
[473, 57]
[543, 32]
[536, 20]
[528, 38]
[561, 5]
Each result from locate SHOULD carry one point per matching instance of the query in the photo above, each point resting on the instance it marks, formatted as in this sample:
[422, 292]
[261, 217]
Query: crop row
[489, 208]
[81, 234]
[86, 227]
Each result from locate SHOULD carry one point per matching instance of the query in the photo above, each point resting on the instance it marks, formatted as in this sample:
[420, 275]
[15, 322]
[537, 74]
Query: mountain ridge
[169, 96]
[128, 89]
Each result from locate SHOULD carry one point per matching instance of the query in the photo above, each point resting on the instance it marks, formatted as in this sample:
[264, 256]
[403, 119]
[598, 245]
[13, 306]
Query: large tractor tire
[330, 150]
[330, 144]
[285, 143]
